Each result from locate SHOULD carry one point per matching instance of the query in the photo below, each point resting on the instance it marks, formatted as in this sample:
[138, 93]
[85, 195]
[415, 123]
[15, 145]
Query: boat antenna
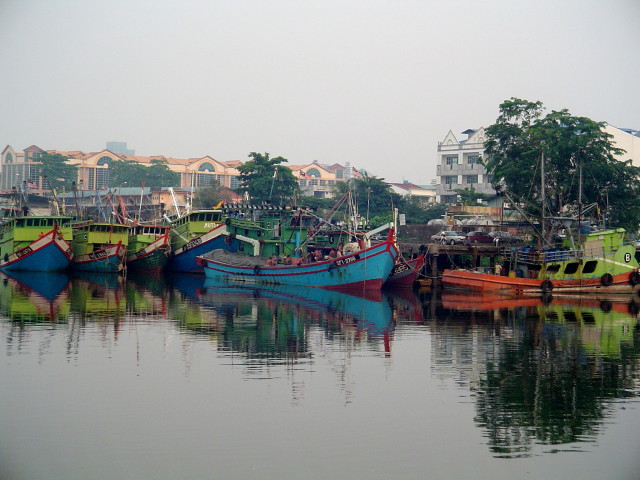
[74, 189]
[275, 173]
[543, 193]
[579, 155]
[140, 208]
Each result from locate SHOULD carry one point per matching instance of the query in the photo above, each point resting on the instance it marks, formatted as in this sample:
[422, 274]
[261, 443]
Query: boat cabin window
[588, 317]
[551, 316]
[553, 268]
[590, 266]
[571, 268]
[570, 316]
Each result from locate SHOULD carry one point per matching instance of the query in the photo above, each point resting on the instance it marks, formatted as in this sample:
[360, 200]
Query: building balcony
[460, 169]
[450, 188]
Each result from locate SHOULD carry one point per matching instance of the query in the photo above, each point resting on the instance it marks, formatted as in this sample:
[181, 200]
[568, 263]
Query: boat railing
[535, 256]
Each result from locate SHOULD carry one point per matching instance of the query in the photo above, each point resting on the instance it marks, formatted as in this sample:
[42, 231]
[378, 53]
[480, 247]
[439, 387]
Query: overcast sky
[374, 83]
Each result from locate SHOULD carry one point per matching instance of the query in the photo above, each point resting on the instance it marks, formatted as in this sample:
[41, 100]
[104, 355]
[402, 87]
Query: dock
[439, 257]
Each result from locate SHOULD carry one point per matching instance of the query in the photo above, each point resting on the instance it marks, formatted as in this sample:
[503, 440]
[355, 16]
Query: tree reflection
[551, 370]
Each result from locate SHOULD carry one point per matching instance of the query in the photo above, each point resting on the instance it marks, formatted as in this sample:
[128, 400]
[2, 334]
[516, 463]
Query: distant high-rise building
[120, 147]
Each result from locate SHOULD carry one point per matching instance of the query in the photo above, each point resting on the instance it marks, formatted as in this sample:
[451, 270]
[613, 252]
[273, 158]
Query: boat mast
[543, 193]
[579, 195]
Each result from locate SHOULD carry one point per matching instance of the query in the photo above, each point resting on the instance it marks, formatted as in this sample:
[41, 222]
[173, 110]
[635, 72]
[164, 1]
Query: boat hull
[153, 257]
[49, 253]
[110, 259]
[405, 273]
[474, 280]
[185, 258]
[367, 269]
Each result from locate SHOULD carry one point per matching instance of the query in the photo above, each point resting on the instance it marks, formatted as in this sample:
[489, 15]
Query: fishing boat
[282, 231]
[35, 243]
[405, 272]
[196, 233]
[585, 259]
[148, 248]
[601, 261]
[100, 246]
[356, 269]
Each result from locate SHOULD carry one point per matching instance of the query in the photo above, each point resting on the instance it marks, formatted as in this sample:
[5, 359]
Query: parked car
[477, 237]
[448, 238]
[506, 238]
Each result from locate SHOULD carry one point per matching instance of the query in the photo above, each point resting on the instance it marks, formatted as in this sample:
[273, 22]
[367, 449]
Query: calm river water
[174, 378]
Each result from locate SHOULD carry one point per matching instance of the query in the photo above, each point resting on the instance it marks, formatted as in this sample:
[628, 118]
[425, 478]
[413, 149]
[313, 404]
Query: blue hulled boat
[357, 270]
[35, 243]
[194, 234]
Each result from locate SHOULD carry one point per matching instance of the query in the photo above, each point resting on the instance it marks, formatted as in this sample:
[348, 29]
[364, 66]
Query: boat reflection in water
[274, 321]
[29, 297]
[546, 369]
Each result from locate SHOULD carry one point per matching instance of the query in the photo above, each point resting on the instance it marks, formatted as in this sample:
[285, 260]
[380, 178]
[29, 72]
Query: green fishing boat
[35, 243]
[100, 247]
[148, 248]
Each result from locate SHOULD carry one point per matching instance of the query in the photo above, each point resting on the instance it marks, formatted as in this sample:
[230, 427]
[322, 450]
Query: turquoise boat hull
[366, 269]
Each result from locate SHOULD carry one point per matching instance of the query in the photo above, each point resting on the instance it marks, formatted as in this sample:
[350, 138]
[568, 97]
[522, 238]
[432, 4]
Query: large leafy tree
[470, 197]
[265, 179]
[417, 212]
[158, 174]
[578, 159]
[372, 197]
[57, 171]
[211, 195]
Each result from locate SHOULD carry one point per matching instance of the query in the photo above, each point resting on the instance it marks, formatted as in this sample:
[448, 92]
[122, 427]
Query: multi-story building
[459, 166]
[23, 168]
[317, 180]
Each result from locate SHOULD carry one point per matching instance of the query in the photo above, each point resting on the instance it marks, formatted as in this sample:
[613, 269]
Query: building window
[313, 181]
[205, 179]
[102, 174]
[313, 172]
[8, 158]
[332, 182]
[323, 182]
[9, 176]
[473, 159]
[34, 175]
[303, 182]
[450, 179]
[235, 182]
[102, 178]
[340, 173]
[91, 175]
[451, 160]
[472, 179]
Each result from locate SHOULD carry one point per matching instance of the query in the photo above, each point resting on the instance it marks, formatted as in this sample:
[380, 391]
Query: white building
[424, 194]
[459, 166]
[628, 140]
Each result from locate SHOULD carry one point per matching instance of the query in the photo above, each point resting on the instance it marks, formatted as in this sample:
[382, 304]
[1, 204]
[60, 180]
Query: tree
[417, 212]
[470, 197]
[158, 174]
[374, 199]
[211, 195]
[522, 137]
[59, 173]
[265, 179]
